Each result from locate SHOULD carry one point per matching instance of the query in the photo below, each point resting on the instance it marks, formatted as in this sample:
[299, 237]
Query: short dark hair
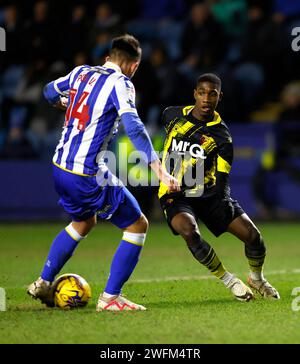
[126, 46]
[210, 77]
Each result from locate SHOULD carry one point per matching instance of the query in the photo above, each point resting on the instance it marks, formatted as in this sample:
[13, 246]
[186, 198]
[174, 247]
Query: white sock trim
[226, 278]
[257, 276]
[44, 280]
[133, 238]
[108, 295]
[73, 233]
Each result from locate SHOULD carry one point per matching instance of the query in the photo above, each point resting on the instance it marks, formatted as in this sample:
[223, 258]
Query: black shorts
[216, 214]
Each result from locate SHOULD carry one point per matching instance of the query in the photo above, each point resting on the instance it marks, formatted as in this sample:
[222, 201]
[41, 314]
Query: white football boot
[43, 291]
[117, 303]
[240, 290]
[264, 288]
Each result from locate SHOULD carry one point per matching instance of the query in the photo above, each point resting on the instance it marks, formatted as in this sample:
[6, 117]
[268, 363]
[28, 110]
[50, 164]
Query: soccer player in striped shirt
[96, 99]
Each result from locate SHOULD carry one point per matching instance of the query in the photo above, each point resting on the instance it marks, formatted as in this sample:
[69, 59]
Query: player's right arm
[123, 96]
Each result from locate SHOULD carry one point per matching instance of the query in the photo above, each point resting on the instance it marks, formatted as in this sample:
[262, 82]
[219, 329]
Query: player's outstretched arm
[164, 176]
[137, 133]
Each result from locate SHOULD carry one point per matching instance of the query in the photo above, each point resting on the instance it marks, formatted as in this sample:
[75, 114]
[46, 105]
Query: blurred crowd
[246, 42]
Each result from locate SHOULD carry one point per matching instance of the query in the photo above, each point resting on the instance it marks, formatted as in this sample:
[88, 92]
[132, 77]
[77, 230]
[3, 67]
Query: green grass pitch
[185, 305]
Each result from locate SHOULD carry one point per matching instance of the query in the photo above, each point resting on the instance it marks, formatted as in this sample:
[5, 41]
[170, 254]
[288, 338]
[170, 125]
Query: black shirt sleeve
[224, 163]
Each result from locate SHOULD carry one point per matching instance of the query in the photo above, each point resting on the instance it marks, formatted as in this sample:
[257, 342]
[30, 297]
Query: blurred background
[246, 42]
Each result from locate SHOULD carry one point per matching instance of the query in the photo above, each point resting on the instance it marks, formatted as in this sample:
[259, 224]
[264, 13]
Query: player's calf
[256, 253]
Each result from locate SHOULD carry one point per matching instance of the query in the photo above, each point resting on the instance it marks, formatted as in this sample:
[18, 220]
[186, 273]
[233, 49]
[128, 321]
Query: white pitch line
[168, 279]
[204, 277]
[200, 278]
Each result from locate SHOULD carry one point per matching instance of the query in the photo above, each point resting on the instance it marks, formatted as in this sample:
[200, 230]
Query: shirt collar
[216, 119]
[113, 66]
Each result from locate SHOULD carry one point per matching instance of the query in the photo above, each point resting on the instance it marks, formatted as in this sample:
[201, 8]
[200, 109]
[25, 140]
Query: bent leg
[243, 228]
[64, 245]
[185, 225]
[129, 218]
[127, 255]
[124, 261]
[60, 252]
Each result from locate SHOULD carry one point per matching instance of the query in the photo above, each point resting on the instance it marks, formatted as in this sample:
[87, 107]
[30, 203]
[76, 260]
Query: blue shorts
[82, 197]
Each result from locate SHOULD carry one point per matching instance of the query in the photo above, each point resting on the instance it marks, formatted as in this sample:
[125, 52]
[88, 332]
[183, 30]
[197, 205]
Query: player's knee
[191, 235]
[255, 245]
[253, 236]
[84, 227]
[91, 223]
[140, 226]
[144, 224]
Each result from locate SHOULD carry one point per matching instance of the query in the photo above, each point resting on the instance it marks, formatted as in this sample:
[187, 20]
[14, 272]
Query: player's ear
[107, 59]
[221, 96]
[195, 94]
[134, 66]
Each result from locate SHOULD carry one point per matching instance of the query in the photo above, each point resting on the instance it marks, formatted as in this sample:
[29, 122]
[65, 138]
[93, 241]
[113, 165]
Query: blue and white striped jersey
[97, 99]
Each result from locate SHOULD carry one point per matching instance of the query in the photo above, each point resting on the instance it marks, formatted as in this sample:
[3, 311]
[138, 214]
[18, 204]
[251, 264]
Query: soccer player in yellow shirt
[198, 138]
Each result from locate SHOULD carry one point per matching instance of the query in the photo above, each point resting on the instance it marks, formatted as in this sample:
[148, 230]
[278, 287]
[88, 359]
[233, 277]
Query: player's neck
[113, 65]
[203, 118]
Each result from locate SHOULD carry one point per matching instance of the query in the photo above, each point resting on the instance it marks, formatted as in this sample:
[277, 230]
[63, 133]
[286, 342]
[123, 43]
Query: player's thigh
[180, 215]
[128, 213]
[243, 228]
[218, 214]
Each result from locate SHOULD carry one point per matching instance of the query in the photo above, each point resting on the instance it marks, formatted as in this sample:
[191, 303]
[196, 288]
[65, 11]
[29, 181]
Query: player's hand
[164, 176]
[62, 104]
[171, 182]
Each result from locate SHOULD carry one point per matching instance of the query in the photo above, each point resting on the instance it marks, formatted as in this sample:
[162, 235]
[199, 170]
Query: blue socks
[61, 251]
[124, 262]
[122, 266]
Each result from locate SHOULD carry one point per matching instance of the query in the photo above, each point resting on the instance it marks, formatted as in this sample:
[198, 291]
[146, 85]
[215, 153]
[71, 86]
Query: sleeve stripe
[57, 89]
[223, 165]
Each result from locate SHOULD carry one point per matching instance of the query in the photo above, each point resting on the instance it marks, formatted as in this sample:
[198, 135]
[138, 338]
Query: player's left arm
[224, 163]
[57, 92]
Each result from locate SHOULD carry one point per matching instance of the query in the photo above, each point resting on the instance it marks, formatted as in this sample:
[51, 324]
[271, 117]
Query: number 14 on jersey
[73, 109]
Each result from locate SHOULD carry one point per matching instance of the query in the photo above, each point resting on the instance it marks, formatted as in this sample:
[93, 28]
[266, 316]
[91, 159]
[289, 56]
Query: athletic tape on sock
[73, 233]
[133, 238]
